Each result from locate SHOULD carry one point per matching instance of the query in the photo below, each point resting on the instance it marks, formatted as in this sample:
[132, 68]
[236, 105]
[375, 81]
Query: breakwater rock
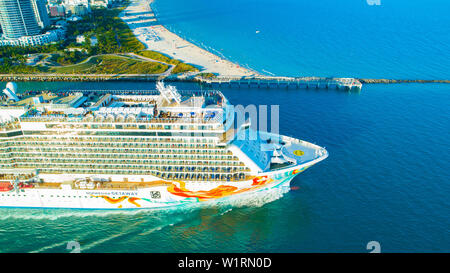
[388, 81]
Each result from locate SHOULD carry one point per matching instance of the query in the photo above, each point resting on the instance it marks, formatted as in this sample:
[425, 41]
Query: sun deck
[165, 105]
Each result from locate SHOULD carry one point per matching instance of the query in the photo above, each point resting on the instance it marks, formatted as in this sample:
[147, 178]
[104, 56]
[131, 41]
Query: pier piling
[347, 84]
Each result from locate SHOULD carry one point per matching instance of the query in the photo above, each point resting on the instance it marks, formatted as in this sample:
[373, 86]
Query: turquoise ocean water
[387, 176]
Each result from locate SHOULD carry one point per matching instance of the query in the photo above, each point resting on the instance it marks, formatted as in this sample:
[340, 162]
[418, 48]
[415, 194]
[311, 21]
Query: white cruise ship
[136, 149]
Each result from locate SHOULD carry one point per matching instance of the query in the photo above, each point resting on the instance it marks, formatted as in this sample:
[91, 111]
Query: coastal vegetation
[111, 64]
[180, 67]
[68, 57]
[14, 57]
[113, 34]
[112, 37]
[207, 75]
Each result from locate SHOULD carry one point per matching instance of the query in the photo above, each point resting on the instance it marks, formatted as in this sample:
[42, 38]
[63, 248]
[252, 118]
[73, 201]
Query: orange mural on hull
[261, 180]
[178, 188]
[220, 191]
[133, 200]
[111, 200]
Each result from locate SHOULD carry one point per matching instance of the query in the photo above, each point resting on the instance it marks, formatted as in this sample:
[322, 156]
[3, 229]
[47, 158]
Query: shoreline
[143, 23]
[150, 77]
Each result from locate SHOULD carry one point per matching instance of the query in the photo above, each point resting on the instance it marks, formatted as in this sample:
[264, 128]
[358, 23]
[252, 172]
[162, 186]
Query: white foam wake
[252, 199]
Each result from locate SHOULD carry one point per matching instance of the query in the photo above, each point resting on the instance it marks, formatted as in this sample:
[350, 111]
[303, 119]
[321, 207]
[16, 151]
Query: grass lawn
[111, 64]
[113, 37]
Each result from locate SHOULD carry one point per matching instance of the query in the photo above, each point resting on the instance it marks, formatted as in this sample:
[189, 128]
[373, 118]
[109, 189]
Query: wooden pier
[346, 84]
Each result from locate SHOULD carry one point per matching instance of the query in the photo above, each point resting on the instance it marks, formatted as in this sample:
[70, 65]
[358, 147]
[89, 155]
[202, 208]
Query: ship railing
[128, 150]
[81, 119]
[234, 169]
[129, 169]
[147, 161]
[115, 140]
[121, 144]
[164, 166]
[114, 156]
[301, 142]
[318, 151]
[185, 164]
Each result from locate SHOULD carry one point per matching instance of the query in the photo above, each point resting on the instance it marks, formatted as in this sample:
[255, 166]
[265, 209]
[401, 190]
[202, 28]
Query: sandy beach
[141, 19]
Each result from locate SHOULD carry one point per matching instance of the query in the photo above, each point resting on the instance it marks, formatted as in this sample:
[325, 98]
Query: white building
[81, 39]
[69, 4]
[41, 39]
[41, 13]
[101, 3]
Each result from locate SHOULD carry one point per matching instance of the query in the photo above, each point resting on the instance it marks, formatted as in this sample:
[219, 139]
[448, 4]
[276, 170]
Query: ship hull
[178, 193]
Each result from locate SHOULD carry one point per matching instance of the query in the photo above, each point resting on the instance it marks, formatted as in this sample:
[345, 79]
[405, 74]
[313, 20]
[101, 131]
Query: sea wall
[387, 81]
[143, 77]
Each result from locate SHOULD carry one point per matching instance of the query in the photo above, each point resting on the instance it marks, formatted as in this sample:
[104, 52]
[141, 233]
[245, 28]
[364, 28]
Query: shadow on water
[49, 230]
[232, 225]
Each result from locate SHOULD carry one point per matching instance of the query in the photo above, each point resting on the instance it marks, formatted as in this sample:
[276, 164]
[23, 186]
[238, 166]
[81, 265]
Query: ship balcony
[125, 156]
[62, 144]
[163, 166]
[113, 185]
[36, 141]
[185, 164]
[61, 118]
[187, 176]
[114, 145]
[206, 177]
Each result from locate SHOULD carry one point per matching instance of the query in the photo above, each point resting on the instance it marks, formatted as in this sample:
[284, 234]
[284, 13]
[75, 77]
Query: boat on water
[134, 149]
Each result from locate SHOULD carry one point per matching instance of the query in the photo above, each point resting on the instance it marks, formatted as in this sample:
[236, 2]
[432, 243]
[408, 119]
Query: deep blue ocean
[396, 39]
[387, 178]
